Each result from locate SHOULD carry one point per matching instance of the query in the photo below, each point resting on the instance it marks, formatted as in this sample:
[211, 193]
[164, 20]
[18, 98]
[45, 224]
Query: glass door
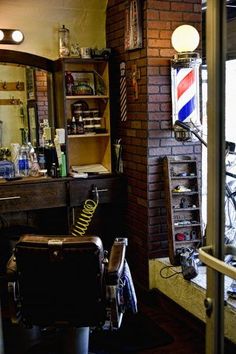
[213, 254]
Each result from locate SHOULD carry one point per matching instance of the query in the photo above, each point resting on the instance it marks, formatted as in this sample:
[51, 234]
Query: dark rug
[137, 332]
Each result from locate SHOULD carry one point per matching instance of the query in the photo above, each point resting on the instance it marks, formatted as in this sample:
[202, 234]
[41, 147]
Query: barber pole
[123, 92]
[185, 90]
[186, 94]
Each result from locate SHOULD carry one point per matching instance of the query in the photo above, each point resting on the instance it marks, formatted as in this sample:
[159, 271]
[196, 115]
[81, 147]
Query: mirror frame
[34, 61]
[28, 59]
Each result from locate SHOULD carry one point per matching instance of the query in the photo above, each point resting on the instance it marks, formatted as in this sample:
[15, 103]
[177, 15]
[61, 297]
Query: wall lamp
[11, 36]
[185, 81]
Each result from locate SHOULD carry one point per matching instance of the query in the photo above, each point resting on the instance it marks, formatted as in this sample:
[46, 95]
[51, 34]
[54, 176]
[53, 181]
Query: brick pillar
[147, 135]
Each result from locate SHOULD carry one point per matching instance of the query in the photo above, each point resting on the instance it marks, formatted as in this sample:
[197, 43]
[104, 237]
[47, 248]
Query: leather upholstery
[61, 280]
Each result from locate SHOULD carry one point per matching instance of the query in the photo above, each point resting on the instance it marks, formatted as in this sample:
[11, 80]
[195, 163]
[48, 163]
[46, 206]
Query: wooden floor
[188, 333]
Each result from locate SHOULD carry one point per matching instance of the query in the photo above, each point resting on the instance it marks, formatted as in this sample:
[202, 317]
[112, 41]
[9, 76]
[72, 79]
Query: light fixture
[185, 81]
[185, 38]
[11, 36]
[1, 35]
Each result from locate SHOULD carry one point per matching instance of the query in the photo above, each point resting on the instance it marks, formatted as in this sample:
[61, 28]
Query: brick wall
[41, 97]
[147, 135]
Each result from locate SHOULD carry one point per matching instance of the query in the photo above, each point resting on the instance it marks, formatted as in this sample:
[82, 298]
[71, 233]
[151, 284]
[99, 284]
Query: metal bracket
[205, 255]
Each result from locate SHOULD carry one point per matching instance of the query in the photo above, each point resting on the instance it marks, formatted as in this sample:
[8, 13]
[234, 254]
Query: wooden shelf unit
[184, 223]
[87, 148]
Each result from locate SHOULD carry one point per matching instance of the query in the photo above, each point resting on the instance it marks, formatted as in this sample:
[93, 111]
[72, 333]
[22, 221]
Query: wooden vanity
[64, 199]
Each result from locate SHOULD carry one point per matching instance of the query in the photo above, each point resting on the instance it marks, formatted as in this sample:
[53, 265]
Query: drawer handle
[10, 198]
[99, 190]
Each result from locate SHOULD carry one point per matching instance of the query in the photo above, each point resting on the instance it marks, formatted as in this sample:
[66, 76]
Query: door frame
[216, 58]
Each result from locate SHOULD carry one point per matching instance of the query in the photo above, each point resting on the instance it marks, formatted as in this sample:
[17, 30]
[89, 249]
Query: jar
[64, 41]
[97, 122]
[77, 109]
[88, 125]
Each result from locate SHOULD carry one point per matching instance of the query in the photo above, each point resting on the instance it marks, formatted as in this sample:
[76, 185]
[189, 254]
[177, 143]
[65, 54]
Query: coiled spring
[82, 223]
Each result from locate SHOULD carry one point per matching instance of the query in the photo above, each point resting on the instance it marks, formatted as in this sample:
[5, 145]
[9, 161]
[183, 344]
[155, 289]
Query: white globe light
[1, 35]
[17, 36]
[185, 38]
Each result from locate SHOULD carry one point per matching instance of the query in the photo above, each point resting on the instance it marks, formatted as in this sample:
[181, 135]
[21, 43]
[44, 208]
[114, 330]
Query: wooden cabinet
[183, 205]
[87, 95]
[52, 205]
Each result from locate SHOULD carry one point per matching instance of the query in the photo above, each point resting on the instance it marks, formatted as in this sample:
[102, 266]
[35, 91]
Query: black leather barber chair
[68, 282]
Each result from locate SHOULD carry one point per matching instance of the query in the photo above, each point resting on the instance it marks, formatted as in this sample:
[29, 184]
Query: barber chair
[68, 282]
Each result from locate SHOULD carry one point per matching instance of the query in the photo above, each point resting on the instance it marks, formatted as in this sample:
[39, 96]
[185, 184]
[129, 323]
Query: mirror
[26, 97]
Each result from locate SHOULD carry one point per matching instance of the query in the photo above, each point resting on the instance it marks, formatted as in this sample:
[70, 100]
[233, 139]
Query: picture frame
[84, 83]
[30, 83]
[33, 125]
[133, 26]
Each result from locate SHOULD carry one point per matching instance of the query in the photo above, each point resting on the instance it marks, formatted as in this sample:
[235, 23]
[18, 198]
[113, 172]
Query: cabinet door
[93, 146]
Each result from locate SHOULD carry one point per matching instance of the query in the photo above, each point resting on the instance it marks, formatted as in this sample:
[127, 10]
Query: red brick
[159, 43]
[147, 135]
[170, 16]
[182, 7]
[162, 25]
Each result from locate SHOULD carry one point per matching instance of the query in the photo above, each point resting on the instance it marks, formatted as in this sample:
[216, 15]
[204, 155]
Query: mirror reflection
[25, 104]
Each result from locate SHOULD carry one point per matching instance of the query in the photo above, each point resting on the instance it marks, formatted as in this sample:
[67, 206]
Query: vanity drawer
[32, 196]
[110, 190]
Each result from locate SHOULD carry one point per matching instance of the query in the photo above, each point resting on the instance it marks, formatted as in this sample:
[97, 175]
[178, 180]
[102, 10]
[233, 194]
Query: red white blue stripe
[186, 94]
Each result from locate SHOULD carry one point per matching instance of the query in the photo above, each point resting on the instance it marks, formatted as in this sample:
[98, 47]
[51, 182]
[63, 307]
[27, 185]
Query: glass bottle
[73, 126]
[34, 170]
[80, 125]
[24, 161]
[64, 41]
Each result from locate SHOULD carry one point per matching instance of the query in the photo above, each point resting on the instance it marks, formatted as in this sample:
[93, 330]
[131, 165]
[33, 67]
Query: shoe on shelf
[181, 189]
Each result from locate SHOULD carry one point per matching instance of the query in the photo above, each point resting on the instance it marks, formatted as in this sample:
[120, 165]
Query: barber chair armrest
[11, 269]
[116, 261]
[114, 273]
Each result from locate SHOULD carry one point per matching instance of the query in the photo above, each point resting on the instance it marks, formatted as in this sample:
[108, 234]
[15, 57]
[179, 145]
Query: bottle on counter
[63, 172]
[24, 166]
[35, 169]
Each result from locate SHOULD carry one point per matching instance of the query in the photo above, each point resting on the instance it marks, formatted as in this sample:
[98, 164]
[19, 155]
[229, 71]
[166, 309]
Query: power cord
[81, 225]
[169, 276]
